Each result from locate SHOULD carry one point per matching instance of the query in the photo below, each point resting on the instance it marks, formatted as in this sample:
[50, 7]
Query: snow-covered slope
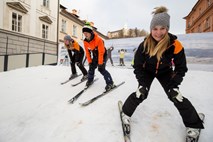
[34, 108]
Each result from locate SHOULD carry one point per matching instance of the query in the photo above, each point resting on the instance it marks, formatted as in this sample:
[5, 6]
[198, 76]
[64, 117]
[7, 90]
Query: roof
[193, 9]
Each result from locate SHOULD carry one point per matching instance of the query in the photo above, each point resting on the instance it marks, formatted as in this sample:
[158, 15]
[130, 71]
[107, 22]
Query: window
[63, 26]
[45, 31]
[199, 28]
[200, 11]
[189, 24]
[208, 3]
[16, 22]
[74, 31]
[46, 3]
[207, 25]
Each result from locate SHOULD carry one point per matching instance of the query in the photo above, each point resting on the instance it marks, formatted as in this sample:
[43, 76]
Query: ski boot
[109, 86]
[192, 132]
[73, 76]
[126, 122]
[84, 77]
[89, 83]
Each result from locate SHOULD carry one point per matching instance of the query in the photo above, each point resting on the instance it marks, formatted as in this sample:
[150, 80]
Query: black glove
[101, 67]
[175, 95]
[90, 64]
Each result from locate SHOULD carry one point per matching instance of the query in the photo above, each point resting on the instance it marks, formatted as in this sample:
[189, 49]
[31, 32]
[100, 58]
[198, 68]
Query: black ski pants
[79, 64]
[186, 109]
[102, 70]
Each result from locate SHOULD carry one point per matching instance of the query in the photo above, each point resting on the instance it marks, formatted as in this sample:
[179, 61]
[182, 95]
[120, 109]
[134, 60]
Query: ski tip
[120, 103]
[70, 102]
[201, 115]
[85, 104]
[82, 104]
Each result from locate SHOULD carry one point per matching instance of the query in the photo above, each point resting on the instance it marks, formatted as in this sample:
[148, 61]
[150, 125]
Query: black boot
[109, 86]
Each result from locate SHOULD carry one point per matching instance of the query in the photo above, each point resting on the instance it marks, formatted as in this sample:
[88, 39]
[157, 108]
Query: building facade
[28, 33]
[200, 19]
[70, 24]
[119, 33]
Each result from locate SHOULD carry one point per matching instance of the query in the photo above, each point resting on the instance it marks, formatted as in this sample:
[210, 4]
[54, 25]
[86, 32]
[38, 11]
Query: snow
[34, 107]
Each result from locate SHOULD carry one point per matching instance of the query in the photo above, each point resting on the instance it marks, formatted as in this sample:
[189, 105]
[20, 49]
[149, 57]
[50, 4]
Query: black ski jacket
[144, 63]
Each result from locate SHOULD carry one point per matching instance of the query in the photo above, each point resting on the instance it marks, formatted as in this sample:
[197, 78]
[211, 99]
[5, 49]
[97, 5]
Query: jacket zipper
[157, 66]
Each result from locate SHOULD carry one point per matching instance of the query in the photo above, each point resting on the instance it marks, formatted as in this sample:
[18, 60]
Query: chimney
[74, 11]
[92, 24]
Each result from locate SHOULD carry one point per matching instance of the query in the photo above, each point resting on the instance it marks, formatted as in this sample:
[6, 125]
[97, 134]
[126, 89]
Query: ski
[68, 80]
[73, 99]
[125, 134]
[78, 82]
[101, 95]
[192, 139]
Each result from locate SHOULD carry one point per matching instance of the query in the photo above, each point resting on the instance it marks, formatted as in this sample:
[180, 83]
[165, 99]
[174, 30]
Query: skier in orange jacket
[96, 56]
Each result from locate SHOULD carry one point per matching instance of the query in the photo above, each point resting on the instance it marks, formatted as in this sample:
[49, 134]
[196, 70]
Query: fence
[18, 50]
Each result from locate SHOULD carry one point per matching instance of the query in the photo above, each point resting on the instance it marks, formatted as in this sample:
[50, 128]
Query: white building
[28, 28]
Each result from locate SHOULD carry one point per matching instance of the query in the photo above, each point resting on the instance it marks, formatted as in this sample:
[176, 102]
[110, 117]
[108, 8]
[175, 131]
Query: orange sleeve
[76, 46]
[101, 51]
[86, 45]
[178, 46]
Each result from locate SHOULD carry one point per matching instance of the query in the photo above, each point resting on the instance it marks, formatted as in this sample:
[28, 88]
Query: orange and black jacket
[78, 50]
[96, 47]
[144, 63]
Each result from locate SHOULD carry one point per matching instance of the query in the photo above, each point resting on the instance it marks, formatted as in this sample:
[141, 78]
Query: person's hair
[70, 45]
[152, 47]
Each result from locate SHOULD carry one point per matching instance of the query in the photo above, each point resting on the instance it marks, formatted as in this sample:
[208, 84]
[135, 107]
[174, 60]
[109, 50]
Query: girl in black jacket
[153, 59]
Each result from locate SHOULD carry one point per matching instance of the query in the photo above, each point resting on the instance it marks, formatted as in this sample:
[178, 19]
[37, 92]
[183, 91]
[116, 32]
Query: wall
[18, 50]
[198, 47]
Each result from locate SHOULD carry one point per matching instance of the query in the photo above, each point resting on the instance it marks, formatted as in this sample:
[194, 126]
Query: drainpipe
[57, 31]
[6, 57]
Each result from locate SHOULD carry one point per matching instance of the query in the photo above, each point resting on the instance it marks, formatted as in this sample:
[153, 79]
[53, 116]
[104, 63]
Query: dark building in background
[200, 18]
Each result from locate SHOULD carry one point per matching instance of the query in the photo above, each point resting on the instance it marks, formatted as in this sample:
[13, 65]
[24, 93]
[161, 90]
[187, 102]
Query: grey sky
[111, 15]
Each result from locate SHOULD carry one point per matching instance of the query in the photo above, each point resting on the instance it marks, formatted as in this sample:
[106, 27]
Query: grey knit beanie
[160, 18]
[67, 37]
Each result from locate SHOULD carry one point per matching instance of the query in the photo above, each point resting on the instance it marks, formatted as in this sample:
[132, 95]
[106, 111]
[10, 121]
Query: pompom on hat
[160, 18]
[87, 28]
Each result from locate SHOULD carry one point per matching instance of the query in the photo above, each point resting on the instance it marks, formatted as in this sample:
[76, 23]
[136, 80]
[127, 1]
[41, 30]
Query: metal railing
[32, 51]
